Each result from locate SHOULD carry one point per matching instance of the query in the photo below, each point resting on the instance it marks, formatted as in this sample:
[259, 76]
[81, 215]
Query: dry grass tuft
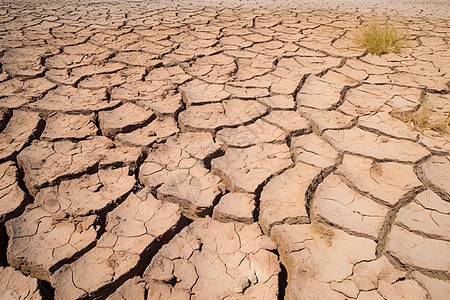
[421, 119]
[378, 39]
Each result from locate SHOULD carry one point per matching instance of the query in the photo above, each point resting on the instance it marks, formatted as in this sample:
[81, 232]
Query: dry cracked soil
[176, 150]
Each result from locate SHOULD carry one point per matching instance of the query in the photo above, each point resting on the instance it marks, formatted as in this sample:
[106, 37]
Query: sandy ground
[223, 150]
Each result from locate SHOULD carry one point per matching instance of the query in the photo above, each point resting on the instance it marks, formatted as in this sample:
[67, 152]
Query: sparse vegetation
[422, 119]
[380, 39]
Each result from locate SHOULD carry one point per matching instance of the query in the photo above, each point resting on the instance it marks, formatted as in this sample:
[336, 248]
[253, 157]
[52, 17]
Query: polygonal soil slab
[323, 119]
[278, 101]
[133, 230]
[158, 96]
[87, 194]
[113, 79]
[194, 189]
[213, 69]
[297, 66]
[427, 214]
[172, 74]
[284, 198]
[210, 117]
[363, 142]
[335, 202]
[321, 93]
[244, 170]
[412, 249]
[289, 121]
[11, 195]
[370, 279]
[437, 289]
[18, 93]
[369, 98]
[316, 256]
[383, 122]
[40, 241]
[76, 74]
[125, 118]
[246, 92]
[235, 207]
[15, 285]
[78, 55]
[137, 58]
[70, 99]
[133, 289]
[313, 150]
[386, 181]
[209, 259]
[64, 126]
[26, 62]
[436, 173]
[255, 133]
[177, 170]
[199, 92]
[45, 162]
[19, 131]
[435, 141]
[157, 130]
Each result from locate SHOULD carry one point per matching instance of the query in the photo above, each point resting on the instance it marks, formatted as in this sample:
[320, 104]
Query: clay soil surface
[223, 150]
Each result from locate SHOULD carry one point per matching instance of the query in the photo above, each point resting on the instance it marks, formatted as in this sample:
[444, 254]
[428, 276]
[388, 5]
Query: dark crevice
[108, 95]
[207, 160]
[422, 233]
[282, 279]
[139, 185]
[209, 212]
[7, 114]
[260, 188]
[146, 294]
[298, 88]
[145, 74]
[97, 124]
[347, 230]
[344, 91]
[311, 190]
[188, 221]
[235, 70]
[3, 245]
[337, 38]
[400, 279]
[177, 114]
[37, 132]
[46, 290]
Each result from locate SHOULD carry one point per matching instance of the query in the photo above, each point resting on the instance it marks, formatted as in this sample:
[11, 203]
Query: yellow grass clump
[422, 119]
[380, 39]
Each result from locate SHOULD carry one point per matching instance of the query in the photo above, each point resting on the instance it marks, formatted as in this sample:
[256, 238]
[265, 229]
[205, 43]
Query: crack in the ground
[318, 179]
[390, 219]
[255, 30]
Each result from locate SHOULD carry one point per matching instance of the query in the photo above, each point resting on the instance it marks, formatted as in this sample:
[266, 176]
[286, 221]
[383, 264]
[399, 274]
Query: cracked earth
[205, 151]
